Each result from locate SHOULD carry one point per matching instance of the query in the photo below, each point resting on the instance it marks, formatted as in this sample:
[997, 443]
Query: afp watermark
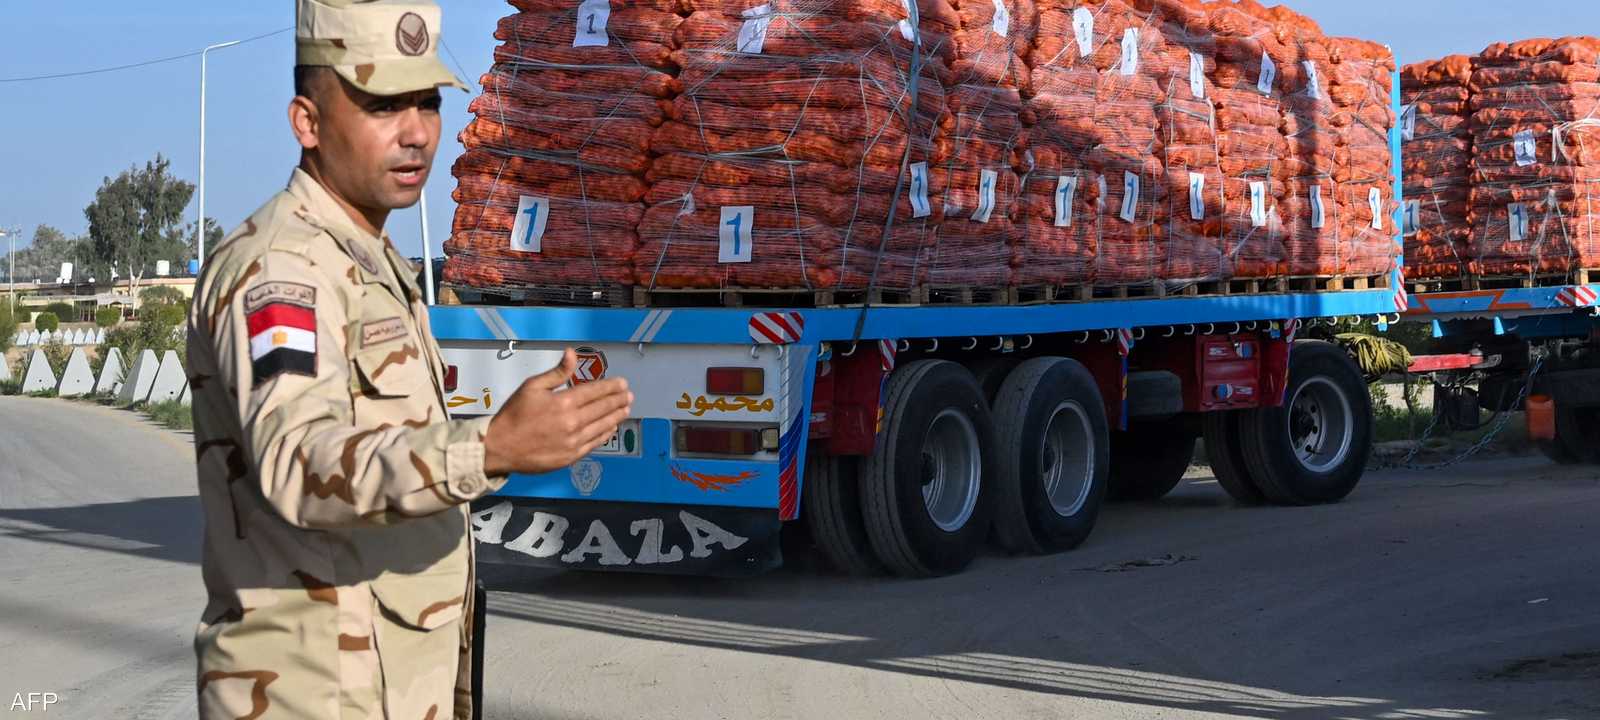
[29, 702]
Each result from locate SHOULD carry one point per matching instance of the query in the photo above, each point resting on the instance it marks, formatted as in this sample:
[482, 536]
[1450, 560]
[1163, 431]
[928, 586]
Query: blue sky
[61, 137]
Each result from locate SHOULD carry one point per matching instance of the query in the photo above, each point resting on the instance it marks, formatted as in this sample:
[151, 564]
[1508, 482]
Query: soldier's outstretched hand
[541, 430]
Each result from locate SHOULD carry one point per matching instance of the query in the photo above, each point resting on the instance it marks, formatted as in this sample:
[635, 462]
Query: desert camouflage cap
[384, 47]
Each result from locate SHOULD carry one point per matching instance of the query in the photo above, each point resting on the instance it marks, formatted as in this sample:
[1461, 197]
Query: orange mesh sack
[1438, 166]
[785, 154]
[550, 188]
[1535, 138]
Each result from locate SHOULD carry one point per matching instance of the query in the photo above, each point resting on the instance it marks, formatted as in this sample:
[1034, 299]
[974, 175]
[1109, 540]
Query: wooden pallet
[616, 296]
[1335, 283]
[1468, 283]
[1133, 291]
[1047, 294]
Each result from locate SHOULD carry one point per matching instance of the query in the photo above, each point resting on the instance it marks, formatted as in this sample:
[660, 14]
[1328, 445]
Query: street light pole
[200, 227]
[11, 259]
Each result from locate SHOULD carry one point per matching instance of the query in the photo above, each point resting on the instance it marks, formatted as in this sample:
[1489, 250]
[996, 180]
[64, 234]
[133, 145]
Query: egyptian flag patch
[283, 339]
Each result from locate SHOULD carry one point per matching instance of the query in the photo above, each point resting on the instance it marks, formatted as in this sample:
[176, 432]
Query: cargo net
[1437, 136]
[551, 187]
[1536, 158]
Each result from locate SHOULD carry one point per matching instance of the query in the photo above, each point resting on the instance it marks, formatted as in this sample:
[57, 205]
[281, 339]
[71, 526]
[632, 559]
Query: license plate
[625, 441]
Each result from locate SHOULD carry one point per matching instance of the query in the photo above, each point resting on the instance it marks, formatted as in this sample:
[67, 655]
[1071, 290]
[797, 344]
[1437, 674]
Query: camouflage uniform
[337, 555]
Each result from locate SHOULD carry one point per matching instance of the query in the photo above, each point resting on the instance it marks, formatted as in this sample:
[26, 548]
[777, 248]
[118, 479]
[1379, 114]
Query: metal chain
[1496, 426]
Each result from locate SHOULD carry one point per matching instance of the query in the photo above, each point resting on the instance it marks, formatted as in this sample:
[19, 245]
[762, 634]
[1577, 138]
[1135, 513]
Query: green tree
[46, 322]
[42, 258]
[161, 295]
[136, 219]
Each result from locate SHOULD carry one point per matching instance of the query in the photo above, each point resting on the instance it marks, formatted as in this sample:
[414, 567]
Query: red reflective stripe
[783, 324]
[767, 332]
[282, 315]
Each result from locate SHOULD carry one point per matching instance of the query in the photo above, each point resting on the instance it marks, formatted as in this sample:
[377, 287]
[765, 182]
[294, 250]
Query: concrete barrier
[110, 382]
[39, 378]
[136, 385]
[100, 336]
[78, 379]
[74, 338]
[170, 380]
[5, 369]
[187, 398]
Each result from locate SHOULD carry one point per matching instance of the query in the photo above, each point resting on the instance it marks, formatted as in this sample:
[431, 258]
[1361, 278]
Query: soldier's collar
[319, 209]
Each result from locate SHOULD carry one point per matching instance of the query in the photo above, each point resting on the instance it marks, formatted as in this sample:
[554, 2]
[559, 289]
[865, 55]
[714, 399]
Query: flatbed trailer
[1514, 349]
[905, 438]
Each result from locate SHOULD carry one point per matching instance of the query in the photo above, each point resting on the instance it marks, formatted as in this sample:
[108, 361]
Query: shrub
[57, 353]
[46, 322]
[171, 414]
[161, 295]
[8, 327]
[64, 312]
[107, 317]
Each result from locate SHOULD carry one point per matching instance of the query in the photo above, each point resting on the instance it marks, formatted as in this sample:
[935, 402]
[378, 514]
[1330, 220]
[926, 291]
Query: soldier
[337, 555]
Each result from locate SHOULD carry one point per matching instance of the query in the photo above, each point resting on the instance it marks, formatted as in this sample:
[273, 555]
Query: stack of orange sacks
[551, 185]
[1536, 157]
[1096, 198]
[1438, 166]
[974, 246]
[778, 163]
[1361, 86]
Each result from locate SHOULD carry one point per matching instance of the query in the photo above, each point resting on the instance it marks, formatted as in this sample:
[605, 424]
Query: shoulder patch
[279, 292]
[382, 331]
[283, 339]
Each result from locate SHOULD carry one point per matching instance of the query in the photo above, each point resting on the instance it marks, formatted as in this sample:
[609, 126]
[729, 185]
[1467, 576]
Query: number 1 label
[1258, 204]
[987, 180]
[592, 18]
[1130, 197]
[1375, 199]
[919, 190]
[1318, 218]
[1083, 30]
[737, 241]
[1519, 221]
[1130, 51]
[527, 234]
[1066, 191]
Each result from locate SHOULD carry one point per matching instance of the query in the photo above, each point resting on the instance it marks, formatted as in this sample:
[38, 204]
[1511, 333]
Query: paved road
[1464, 594]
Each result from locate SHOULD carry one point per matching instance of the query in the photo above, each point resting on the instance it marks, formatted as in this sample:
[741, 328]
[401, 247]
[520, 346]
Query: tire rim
[1320, 428]
[1068, 460]
[951, 470]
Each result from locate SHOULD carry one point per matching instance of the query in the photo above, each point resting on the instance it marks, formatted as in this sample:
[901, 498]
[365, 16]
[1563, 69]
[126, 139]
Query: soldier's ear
[305, 122]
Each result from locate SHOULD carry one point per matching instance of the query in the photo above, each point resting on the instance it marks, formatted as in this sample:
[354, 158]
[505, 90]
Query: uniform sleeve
[280, 341]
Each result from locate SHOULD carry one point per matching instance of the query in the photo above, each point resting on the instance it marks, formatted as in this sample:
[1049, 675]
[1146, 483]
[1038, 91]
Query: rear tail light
[718, 441]
[451, 375]
[736, 381]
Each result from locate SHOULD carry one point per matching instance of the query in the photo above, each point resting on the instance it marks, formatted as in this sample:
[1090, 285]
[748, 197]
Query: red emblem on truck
[591, 366]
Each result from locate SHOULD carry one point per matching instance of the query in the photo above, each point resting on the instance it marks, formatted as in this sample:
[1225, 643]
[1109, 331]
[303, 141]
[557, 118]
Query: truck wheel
[991, 372]
[923, 493]
[1314, 448]
[1220, 430]
[1577, 433]
[1149, 460]
[832, 509]
[1054, 456]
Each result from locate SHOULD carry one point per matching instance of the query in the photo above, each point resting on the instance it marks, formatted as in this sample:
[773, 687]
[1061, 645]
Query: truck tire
[1149, 460]
[1572, 446]
[1054, 456]
[1221, 433]
[1313, 449]
[832, 508]
[991, 372]
[924, 492]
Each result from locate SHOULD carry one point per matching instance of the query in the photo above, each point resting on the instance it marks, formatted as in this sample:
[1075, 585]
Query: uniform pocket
[423, 602]
[393, 370]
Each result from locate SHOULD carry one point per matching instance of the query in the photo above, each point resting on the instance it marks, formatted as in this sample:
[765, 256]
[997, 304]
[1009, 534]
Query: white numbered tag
[1002, 18]
[1408, 123]
[1130, 197]
[753, 33]
[1313, 82]
[1066, 191]
[1258, 204]
[908, 26]
[987, 179]
[1318, 219]
[1197, 196]
[737, 235]
[919, 190]
[1413, 217]
[592, 18]
[1526, 147]
[1269, 73]
[1518, 213]
[1375, 201]
[1130, 51]
[527, 233]
[1197, 76]
[1083, 30]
